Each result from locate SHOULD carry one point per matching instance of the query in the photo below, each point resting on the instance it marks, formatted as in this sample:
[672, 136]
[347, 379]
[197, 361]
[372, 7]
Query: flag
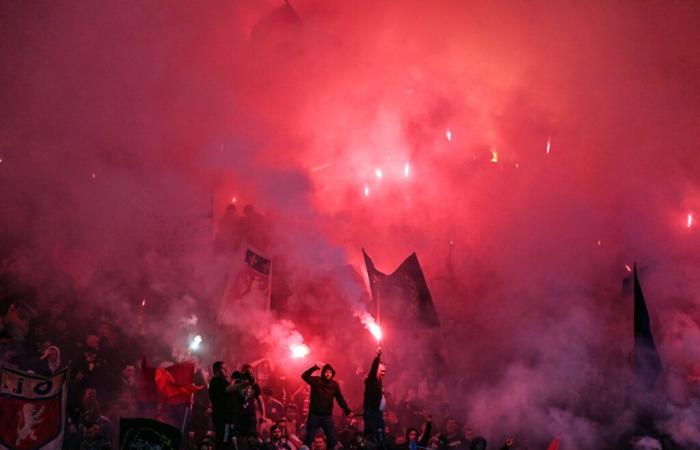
[402, 298]
[139, 434]
[173, 384]
[647, 362]
[554, 445]
[248, 287]
[32, 409]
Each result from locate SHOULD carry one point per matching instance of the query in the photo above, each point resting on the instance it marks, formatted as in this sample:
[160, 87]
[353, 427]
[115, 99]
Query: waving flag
[32, 410]
[249, 286]
[402, 297]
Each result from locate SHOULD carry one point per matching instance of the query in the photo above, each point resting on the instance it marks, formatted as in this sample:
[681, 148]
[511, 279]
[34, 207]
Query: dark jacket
[323, 392]
[373, 388]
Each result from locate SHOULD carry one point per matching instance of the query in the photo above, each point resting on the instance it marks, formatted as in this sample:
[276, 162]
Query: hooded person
[324, 390]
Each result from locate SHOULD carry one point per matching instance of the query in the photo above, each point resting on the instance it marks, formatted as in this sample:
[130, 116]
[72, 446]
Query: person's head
[381, 371]
[319, 443]
[275, 433]
[128, 373]
[92, 340]
[247, 371]
[327, 372]
[469, 434]
[411, 434]
[451, 427]
[282, 425]
[220, 369]
[434, 443]
[90, 354]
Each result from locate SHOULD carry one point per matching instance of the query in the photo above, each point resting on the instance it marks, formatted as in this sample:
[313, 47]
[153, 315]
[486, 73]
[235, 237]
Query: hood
[328, 367]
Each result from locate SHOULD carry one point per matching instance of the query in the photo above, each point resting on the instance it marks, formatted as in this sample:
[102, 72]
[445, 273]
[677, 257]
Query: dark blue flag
[647, 362]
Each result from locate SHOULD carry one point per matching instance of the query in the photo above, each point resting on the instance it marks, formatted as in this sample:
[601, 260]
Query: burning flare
[448, 135]
[196, 341]
[369, 323]
[494, 156]
[299, 350]
[690, 220]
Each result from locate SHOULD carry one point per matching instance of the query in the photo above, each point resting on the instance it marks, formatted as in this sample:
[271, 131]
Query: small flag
[173, 384]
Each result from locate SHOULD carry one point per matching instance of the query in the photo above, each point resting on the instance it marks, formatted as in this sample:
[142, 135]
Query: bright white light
[448, 135]
[366, 191]
[299, 350]
[378, 173]
[629, 269]
[690, 220]
[375, 330]
[233, 200]
[406, 170]
[194, 345]
[549, 144]
[494, 156]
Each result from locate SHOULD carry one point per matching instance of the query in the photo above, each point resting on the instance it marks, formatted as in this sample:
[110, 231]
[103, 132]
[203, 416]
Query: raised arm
[428, 431]
[306, 376]
[375, 365]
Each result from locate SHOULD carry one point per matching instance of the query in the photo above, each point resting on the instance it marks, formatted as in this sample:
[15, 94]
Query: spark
[549, 144]
[0, 160]
[517, 165]
[448, 135]
[629, 269]
[406, 170]
[93, 175]
[233, 200]
[598, 243]
[378, 173]
[321, 167]
[299, 350]
[690, 219]
[143, 302]
[196, 341]
[366, 191]
[494, 156]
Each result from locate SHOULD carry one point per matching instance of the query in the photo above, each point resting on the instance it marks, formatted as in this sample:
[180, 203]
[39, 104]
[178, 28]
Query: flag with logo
[403, 297]
[140, 434]
[32, 409]
[249, 287]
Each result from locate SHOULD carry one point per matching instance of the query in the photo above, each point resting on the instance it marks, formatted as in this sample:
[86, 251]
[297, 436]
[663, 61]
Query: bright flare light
[366, 191]
[376, 331]
[233, 200]
[406, 170]
[448, 135]
[299, 350]
[690, 220]
[378, 173]
[494, 156]
[143, 302]
[549, 144]
[194, 345]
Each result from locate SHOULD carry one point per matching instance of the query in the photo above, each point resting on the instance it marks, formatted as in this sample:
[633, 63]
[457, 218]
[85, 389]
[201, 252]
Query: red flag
[32, 410]
[173, 384]
[555, 444]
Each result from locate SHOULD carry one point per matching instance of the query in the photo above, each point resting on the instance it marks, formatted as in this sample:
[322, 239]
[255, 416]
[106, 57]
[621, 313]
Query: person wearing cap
[324, 390]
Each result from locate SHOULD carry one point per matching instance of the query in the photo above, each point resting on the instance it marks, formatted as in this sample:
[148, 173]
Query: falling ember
[143, 302]
[378, 173]
[299, 350]
[629, 269]
[366, 191]
[406, 170]
[196, 341]
[549, 144]
[598, 243]
[448, 135]
[93, 175]
[233, 200]
[690, 220]
[494, 156]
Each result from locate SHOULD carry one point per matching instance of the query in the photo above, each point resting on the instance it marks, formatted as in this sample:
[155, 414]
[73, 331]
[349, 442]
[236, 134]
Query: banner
[140, 434]
[32, 410]
[248, 288]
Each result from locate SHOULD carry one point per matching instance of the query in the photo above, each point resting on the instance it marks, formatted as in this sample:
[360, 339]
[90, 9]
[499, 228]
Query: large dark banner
[31, 410]
[140, 434]
[403, 297]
